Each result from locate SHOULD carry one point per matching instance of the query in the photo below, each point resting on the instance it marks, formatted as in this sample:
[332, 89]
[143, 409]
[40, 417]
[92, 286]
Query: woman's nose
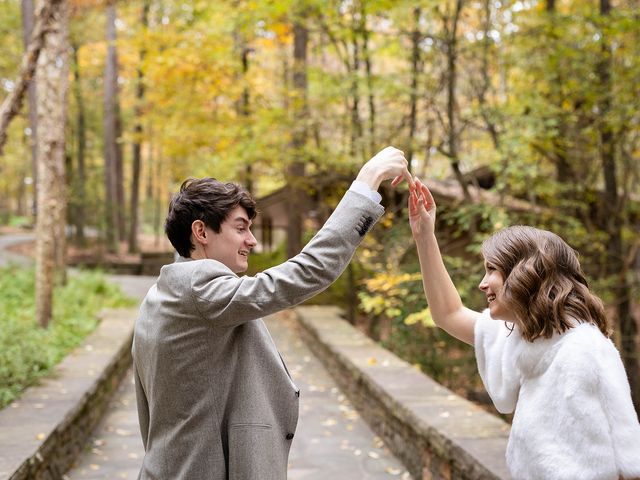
[483, 284]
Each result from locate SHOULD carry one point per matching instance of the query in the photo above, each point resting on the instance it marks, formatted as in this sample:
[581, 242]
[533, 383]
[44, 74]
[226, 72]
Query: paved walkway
[332, 441]
[7, 257]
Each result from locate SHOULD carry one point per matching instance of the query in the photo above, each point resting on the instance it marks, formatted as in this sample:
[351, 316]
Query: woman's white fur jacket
[573, 413]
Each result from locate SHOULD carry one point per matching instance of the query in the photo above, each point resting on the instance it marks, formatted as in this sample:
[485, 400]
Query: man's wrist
[370, 177]
[364, 189]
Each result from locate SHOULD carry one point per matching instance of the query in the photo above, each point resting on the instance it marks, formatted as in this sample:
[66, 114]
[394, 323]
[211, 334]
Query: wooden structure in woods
[270, 225]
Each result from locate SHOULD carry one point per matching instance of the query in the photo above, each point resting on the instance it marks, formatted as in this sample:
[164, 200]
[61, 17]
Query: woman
[549, 357]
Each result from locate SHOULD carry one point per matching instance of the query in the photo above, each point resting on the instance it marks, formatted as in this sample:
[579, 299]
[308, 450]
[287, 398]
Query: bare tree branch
[13, 102]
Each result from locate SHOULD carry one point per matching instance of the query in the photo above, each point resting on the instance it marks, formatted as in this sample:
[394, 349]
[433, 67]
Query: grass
[28, 352]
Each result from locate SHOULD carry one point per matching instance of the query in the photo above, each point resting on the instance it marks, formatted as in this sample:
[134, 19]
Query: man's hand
[422, 211]
[387, 164]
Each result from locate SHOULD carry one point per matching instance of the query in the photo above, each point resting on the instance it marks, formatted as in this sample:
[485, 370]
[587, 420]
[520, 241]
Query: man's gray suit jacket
[215, 400]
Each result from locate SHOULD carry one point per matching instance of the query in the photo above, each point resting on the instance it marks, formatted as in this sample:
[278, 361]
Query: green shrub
[28, 352]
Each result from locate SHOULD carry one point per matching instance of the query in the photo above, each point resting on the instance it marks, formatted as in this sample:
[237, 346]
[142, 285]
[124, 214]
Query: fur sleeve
[615, 396]
[494, 348]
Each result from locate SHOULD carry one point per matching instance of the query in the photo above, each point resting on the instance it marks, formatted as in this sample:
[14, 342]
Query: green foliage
[28, 352]
[529, 100]
[337, 294]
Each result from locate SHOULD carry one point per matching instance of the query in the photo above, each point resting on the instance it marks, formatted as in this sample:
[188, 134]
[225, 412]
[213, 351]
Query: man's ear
[198, 230]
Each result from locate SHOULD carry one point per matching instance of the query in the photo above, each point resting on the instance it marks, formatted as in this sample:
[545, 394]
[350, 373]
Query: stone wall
[435, 433]
[43, 432]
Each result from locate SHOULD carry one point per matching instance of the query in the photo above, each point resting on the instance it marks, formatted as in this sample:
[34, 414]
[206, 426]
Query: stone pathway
[332, 441]
[7, 257]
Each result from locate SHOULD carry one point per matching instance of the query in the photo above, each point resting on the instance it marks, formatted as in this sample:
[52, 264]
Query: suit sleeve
[143, 408]
[225, 299]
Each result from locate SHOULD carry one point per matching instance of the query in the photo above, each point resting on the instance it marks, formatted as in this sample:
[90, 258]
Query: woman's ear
[198, 230]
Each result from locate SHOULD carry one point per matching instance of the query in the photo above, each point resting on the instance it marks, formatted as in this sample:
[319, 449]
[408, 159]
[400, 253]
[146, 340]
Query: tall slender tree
[137, 142]
[296, 169]
[79, 178]
[112, 148]
[453, 129]
[367, 58]
[612, 206]
[13, 102]
[52, 85]
[28, 19]
[416, 38]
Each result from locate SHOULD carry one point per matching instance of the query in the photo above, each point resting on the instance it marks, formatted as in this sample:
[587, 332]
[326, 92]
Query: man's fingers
[405, 175]
[409, 178]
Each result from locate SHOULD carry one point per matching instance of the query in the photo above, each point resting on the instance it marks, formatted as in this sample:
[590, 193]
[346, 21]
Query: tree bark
[112, 151]
[28, 20]
[453, 135]
[368, 70]
[356, 124]
[564, 173]
[52, 85]
[612, 208]
[243, 104]
[13, 102]
[79, 179]
[416, 37]
[137, 144]
[296, 169]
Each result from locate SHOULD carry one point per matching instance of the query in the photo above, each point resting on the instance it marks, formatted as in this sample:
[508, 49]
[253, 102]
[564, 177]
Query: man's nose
[252, 240]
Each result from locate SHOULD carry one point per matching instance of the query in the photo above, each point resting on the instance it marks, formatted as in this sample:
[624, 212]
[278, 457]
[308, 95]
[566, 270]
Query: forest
[522, 111]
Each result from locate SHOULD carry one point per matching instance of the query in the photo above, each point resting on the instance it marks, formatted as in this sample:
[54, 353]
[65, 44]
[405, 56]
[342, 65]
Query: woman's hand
[422, 211]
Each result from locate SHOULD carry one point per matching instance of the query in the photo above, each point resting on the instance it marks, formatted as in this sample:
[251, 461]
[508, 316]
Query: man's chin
[241, 268]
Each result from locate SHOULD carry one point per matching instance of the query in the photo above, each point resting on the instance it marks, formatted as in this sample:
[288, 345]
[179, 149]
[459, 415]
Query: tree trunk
[13, 102]
[296, 170]
[242, 106]
[613, 208]
[452, 112]
[79, 180]
[28, 20]
[112, 156]
[416, 37]
[356, 124]
[367, 66]
[486, 78]
[52, 84]
[564, 174]
[137, 144]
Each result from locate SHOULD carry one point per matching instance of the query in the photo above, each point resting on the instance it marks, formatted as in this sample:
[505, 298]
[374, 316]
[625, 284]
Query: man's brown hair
[205, 199]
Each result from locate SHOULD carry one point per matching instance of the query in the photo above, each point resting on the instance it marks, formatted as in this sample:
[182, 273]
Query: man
[215, 400]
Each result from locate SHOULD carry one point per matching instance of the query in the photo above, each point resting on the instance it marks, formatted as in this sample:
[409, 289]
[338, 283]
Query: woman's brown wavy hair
[544, 283]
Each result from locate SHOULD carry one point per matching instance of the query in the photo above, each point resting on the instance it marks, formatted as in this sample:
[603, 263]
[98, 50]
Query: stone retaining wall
[42, 433]
[435, 433]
